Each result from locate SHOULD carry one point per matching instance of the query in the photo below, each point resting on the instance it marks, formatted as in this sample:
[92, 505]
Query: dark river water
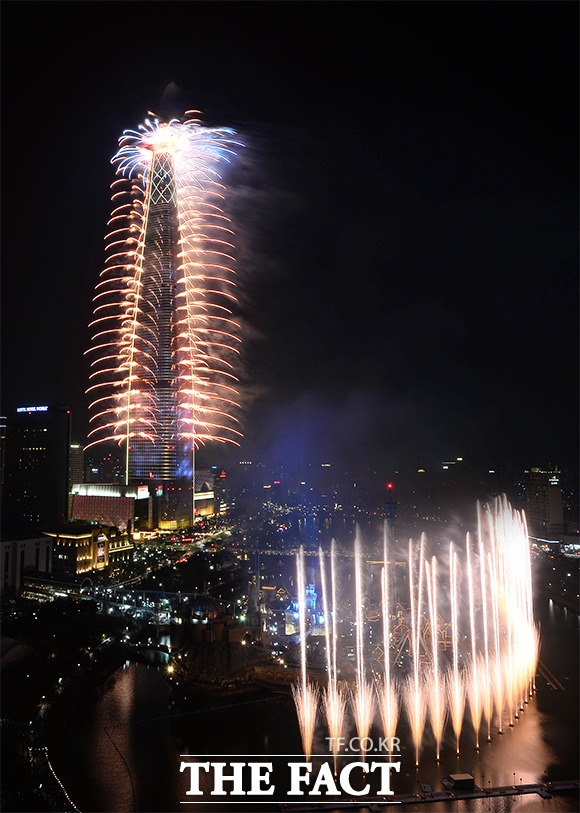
[122, 748]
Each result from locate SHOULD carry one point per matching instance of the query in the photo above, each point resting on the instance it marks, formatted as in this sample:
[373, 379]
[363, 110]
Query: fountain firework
[305, 694]
[436, 686]
[482, 659]
[386, 694]
[414, 687]
[454, 682]
[333, 700]
[475, 686]
[363, 703]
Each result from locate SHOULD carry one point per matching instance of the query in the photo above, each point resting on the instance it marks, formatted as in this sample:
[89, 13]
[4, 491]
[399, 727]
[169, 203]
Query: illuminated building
[107, 468]
[133, 507]
[165, 338]
[76, 465]
[76, 470]
[85, 547]
[78, 548]
[109, 504]
[35, 488]
[544, 502]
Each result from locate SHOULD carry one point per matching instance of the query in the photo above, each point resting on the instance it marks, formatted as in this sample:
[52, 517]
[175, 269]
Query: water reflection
[117, 755]
[122, 747]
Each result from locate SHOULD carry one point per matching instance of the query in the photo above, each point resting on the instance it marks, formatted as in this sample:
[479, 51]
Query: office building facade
[36, 470]
[544, 508]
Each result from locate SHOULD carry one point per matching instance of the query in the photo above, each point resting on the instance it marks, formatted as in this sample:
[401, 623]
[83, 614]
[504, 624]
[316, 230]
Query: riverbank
[31, 737]
[64, 705]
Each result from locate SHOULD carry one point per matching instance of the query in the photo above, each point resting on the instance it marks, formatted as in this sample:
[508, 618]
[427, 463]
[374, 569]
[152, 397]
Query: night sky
[406, 208]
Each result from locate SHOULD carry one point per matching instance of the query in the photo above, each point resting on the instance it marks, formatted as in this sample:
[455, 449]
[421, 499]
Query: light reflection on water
[117, 749]
[122, 749]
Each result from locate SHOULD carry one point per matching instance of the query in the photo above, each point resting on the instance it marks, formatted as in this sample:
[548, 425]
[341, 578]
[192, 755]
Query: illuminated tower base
[172, 506]
[172, 503]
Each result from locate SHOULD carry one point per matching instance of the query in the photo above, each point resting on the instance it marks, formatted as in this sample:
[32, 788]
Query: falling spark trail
[334, 704]
[305, 699]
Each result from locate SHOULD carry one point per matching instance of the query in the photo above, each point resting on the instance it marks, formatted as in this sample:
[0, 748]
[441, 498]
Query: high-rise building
[35, 488]
[76, 465]
[23, 556]
[2, 447]
[166, 340]
[544, 502]
[104, 468]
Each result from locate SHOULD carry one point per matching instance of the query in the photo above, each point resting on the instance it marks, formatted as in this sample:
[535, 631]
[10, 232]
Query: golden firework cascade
[165, 341]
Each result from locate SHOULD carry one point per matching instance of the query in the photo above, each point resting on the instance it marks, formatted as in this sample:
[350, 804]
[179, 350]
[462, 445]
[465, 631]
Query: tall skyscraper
[166, 341]
[544, 502]
[76, 465]
[36, 470]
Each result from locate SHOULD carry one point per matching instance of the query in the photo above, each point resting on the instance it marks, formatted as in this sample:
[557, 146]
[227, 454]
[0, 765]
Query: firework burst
[166, 340]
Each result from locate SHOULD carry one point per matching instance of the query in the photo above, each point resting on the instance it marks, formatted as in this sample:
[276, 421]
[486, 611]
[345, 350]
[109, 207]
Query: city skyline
[407, 219]
[392, 545]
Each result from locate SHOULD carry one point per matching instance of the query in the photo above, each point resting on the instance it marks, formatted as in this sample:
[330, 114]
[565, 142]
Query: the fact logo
[359, 745]
[282, 778]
